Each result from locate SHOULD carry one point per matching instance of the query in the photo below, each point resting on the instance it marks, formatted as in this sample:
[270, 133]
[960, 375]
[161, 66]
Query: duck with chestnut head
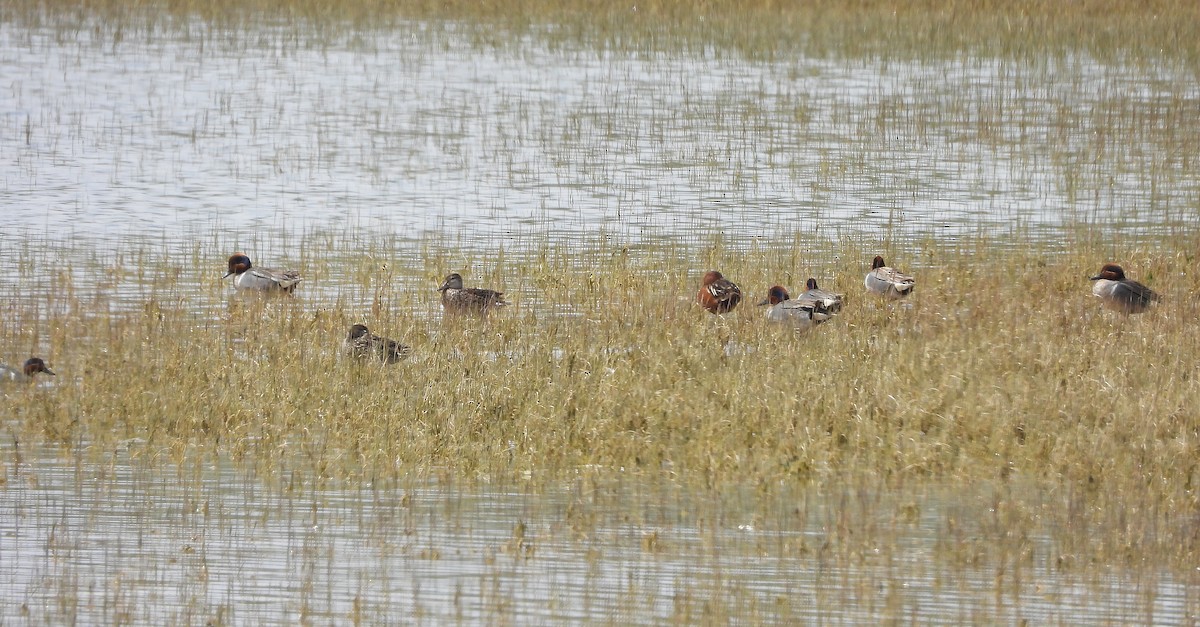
[717, 294]
[802, 313]
[25, 374]
[247, 276]
[1122, 294]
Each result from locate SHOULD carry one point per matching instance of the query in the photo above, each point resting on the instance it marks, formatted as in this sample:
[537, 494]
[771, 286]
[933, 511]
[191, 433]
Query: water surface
[200, 140]
[420, 130]
[120, 542]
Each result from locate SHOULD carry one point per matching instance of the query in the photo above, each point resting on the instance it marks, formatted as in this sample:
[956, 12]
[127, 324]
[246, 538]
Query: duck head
[777, 294]
[238, 263]
[1110, 271]
[452, 282]
[34, 365]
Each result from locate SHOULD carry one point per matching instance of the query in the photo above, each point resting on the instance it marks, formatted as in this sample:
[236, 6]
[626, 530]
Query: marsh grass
[762, 29]
[1000, 367]
[1000, 382]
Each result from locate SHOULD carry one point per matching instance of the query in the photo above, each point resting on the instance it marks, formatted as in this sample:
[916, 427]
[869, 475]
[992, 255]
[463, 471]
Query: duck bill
[1095, 278]
[228, 274]
[49, 372]
[765, 302]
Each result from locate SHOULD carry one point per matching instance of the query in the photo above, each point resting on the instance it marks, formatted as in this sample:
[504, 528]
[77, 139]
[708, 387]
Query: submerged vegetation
[1000, 365]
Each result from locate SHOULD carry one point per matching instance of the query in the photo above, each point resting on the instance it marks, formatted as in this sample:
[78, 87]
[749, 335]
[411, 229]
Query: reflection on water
[114, 542]
[409, 132]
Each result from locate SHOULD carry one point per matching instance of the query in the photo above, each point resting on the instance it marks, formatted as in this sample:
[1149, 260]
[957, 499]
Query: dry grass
[1106, 29]
[1002, 375]
[1003, 366]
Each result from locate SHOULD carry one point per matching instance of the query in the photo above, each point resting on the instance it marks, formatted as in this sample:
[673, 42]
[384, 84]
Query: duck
[717, 294]
[888, 282]
[1121, 294]
[804, 312]
[362, 344]
[832, 303]
[32, 366]
[459, 299]
[246, 276]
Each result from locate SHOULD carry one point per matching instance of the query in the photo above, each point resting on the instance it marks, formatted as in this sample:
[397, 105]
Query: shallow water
[186, 140]
[419, 131]
[118, 542]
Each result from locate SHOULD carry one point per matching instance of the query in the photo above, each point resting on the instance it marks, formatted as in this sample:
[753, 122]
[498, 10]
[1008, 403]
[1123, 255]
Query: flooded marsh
[997, 447]
[118, 543]
[898, 457]
[423, 129]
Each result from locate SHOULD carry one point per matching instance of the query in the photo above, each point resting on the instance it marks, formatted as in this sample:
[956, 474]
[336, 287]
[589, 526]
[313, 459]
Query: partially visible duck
[803, 313]
[718, 294]
[362, 344]
[1121, 294]
[829, 301]
[888, 282]
[249, 277]
[32, 366]
[458, 299]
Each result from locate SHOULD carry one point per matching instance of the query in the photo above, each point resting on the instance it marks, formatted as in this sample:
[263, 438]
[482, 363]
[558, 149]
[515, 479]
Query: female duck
[1121, 294]
[718, 294]
[362, 344]
[459, 299]
[249, 277]
[888, 282]
[32, 366]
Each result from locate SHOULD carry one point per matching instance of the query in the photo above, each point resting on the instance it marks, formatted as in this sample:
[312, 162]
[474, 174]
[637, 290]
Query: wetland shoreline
[995, 448]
